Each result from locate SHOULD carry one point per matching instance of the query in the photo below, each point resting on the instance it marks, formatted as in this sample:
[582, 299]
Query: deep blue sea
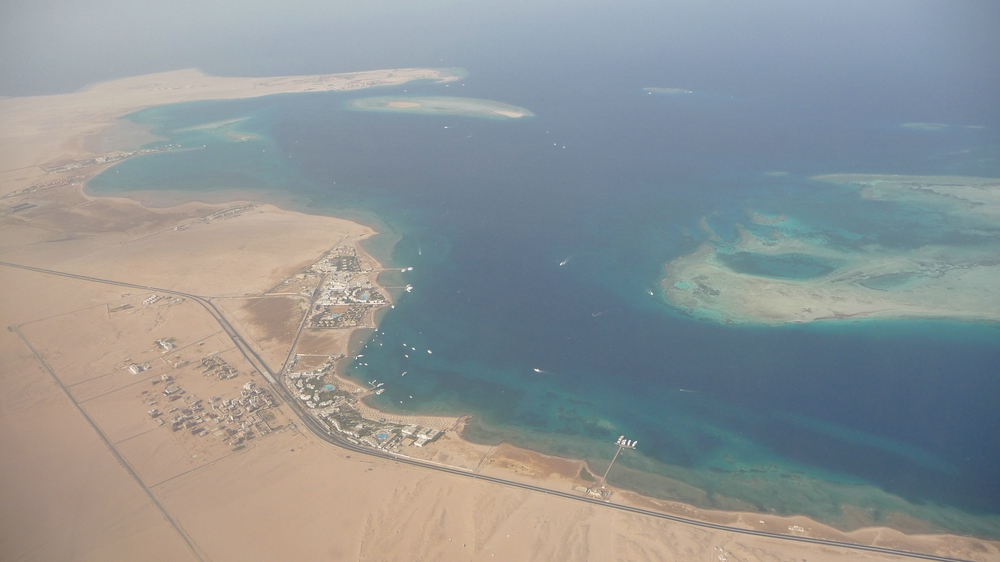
[887, 416]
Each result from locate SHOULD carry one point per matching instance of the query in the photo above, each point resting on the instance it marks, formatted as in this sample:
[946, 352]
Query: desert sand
[90, 474]
[46, 129]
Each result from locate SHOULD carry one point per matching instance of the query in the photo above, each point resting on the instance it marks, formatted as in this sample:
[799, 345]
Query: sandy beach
[91, 473]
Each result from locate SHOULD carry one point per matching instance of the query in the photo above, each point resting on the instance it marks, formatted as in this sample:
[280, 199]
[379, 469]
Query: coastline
[56, 127]
[518, 463]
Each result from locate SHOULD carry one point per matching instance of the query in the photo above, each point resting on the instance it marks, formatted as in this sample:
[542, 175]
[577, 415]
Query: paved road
[302, 324]
[325, 434]
[111, 447]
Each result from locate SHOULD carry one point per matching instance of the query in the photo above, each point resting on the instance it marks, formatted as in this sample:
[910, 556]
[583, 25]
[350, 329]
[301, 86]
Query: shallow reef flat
[963, 196]
[924, 126]
[227, 129]
[441, 105]
[667, 91]
[776, 280]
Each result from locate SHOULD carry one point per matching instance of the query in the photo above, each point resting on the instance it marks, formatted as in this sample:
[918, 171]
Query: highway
[111, 446]
[322, 432]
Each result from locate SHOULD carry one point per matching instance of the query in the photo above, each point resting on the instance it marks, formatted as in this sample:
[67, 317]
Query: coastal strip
[350, 444]
[46, 129]
[61, 226]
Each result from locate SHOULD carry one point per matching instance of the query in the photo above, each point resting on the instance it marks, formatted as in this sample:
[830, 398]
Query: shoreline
[527, 458]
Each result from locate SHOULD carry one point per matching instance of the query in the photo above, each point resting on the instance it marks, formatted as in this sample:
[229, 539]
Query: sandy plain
[88, 474]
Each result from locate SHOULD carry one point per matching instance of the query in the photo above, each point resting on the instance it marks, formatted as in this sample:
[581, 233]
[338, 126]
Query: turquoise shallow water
[536, 270]
[780, 266]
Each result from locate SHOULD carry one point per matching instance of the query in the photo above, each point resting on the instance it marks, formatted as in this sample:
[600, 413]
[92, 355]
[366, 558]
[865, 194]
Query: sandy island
[732, 283]
[668, 91]
[133, 427]
[441, 105]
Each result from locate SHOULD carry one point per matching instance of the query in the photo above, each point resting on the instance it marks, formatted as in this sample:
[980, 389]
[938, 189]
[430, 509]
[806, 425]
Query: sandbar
[924, 126]
[441, 105]
[668, 91]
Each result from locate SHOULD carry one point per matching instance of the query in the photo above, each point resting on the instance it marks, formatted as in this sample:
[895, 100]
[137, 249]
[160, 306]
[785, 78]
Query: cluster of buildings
[338, 317]
[336, 408]
[106, 159]
[19, 207]
[342, 259]
[346, 292]
[136, 368]
[382, 435]
[312, 389]
[358, 85]
[149, 301]
[217, 366]
[230, 212]
[421, 436]
[344, 295]
[233, 420]
[72, 180]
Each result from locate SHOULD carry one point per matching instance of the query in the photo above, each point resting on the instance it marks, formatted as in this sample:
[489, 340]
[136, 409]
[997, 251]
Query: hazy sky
[57, 45]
